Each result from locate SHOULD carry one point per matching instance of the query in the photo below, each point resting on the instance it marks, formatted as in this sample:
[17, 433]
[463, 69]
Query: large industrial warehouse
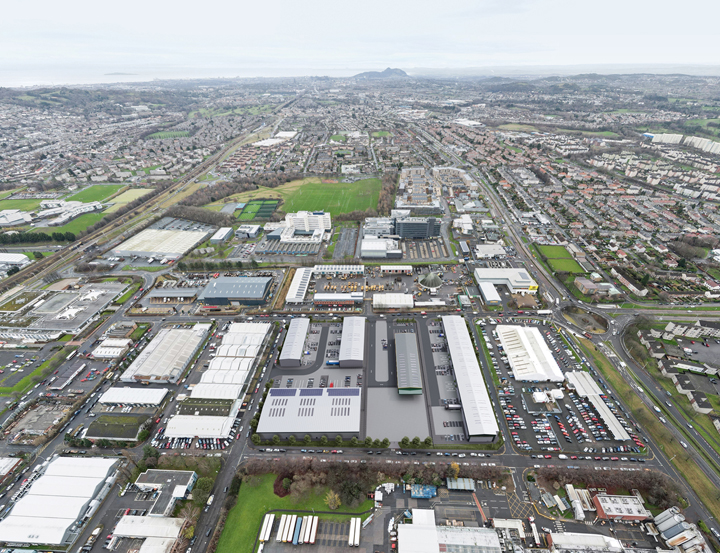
[69, 489]
[528, 354]
[407, 360]
[134, 396]
[392, 300]
[518, 281]
[478, 414]
[314, 411]
[198, 426]
[299, 285]
[160, 243]
[352, 343]
[236, 291]
[292, 350]
[165, 358]
[489, 293]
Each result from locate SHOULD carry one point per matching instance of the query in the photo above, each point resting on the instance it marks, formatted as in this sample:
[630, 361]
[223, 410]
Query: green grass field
[76, 225]
[567, 265]
[127, 197]
[380, 134]
[23, 205]
[244, 520]
[96, 193]
[339, 138]
[518, 127]
[169, 134]
[335, 198]
[555, 252]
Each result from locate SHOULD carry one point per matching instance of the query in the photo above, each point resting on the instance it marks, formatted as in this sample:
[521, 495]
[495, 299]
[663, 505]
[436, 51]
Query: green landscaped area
[599, 134]
[567, 265]
[560, 259]
[517, 127]
[23, 205]
[127, 295]
[96, 193]
[381, 134]
[310, 193]
[30, 379]
[20, 300]
[555, 252]
[127, 197]
[116, 427]
[169, 134]
[339, 138]
[245, 519]
[221, 112]
[335, 198]
[75, 226]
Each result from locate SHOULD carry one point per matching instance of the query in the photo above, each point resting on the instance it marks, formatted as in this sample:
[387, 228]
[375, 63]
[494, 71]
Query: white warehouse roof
[205, 390]
[56, 500]
[249, 328]
[226, 350]
[352, 343]
[148, 527]
[165, 243]
[307, 410]
[528, 354]
[295, 339]
[134, 396]
[392, 300]
[189, 426]
[476, 406]
[242, 339]
[234, 364]
[224, 377]
[299, 285]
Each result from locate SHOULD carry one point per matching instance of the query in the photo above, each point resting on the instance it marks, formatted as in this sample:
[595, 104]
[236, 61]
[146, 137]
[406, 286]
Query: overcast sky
[339, 38]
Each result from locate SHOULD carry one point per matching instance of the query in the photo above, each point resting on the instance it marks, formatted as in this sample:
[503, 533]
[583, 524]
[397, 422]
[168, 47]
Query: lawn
[601, 134]
[29, 379]
[129, 294]
[244, 520]
[96, 193]
[517, 127]
[335, 198]
[127, 197]
[555, 252]
[24, 205]
[339, 138]
[380, 134]
[76, 225]
[567, 265]
[169, 134]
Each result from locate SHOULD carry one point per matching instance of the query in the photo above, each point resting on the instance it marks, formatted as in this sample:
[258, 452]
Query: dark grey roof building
[236, 291]
[407, 359]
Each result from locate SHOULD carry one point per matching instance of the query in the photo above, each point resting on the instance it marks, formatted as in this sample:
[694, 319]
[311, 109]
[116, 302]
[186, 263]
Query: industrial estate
[385, 312]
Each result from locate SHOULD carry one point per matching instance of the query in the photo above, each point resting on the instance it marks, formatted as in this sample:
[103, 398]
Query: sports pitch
[567, 265]
[96, 193]
[555, 252]
[127, 197]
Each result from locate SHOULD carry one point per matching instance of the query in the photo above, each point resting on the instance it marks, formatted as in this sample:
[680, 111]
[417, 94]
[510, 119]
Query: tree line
[199, 215]
[35, 237]
[222, 190]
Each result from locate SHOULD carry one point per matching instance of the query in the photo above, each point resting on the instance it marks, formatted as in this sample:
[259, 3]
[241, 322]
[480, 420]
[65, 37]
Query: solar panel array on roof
[282, 392]
[343, 391]
[311, 392]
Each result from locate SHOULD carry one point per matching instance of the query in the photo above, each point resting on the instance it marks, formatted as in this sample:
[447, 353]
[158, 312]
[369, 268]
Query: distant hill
[387, 74]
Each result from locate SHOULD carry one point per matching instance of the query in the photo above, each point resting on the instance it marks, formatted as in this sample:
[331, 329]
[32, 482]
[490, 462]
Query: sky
[49, 40]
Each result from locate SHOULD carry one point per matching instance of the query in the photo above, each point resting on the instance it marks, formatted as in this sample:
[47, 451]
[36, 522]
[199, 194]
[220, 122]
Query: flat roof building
[380, 249]
[236, 291]
[396, 270]
[518, 281]
[346, 299]
[489, 293]
[407, 360]
[489, 251]
[478, 414]
[68, 489]
[293, 347]
[392, 300]
[425, 536]
[165, 358]
[160, 243]
[171, 485]
[357, 270]
[299, 285]
[199, 426]
[352, 342]
[314, 411]
[620, 507]
[417, 228]
[221, 235]
[134, 396]
[528, 354]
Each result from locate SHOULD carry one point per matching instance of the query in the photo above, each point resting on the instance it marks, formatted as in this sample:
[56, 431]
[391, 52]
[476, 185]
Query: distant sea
[53, 75]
